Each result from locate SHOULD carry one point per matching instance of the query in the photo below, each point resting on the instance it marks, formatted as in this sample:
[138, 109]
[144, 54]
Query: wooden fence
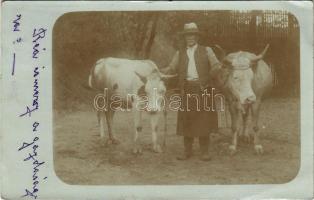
[252, 30]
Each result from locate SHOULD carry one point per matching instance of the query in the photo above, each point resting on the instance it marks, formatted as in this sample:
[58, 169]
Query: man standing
[193, 65]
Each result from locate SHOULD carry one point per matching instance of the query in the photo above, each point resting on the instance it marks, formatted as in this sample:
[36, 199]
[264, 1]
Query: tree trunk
[148, 40]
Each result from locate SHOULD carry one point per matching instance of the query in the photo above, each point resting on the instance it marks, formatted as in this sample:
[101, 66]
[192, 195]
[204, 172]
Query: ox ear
[155, 71]
[226, 63]
[261, 55]
[142, 78]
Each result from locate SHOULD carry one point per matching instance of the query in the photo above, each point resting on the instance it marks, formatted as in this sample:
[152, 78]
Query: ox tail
[88, 85]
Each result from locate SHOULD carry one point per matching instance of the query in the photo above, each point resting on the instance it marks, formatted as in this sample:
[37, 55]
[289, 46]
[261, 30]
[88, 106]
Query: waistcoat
[202, 66]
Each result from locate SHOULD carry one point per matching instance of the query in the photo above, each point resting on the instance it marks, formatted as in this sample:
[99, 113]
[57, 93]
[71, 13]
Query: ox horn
[166, 76]
[261, 55]
[222, 51]
[142, 78]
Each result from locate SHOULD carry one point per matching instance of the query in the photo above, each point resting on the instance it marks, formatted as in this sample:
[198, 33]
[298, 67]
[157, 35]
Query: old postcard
[156, 100]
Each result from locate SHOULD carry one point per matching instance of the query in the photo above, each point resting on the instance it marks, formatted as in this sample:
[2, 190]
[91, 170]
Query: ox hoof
[232, 149]
[157, 149]
[112, 141]
[137, 150]
[258, 149]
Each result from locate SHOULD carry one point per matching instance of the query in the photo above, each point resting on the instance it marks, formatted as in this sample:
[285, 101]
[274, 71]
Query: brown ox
[244, 79]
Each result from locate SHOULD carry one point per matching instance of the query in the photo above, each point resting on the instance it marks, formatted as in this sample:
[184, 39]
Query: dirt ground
[80, 157]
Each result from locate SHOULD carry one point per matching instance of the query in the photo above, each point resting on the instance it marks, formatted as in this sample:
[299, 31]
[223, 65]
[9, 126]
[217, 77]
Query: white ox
[244, 79]
[135, 85]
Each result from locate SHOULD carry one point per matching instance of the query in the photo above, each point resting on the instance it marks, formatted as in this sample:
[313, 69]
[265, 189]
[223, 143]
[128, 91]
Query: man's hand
[172, 67]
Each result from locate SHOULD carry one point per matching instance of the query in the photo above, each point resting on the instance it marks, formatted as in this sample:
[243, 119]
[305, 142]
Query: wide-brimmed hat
[190, 28]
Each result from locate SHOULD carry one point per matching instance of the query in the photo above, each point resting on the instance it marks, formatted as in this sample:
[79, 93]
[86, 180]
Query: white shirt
[174, 64]
[191, 72]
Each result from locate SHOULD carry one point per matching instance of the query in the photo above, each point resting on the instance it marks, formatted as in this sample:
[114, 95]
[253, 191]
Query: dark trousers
[203, 142]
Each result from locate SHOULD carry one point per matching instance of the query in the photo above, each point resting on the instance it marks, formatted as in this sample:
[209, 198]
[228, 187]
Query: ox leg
[109, 117]
[246, 126]
[236, 117]
[154, 124]
[165, 129]
[98, 117]
[101, 121]
[138, 129]
[255, 114]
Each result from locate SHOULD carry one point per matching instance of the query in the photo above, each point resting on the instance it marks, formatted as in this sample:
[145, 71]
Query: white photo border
[14, 130]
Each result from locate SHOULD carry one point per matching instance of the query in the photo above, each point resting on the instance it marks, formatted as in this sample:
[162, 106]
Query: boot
[204, 144]
[188, 142]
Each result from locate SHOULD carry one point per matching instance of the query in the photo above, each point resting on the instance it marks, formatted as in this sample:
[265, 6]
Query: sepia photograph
[187, 97]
